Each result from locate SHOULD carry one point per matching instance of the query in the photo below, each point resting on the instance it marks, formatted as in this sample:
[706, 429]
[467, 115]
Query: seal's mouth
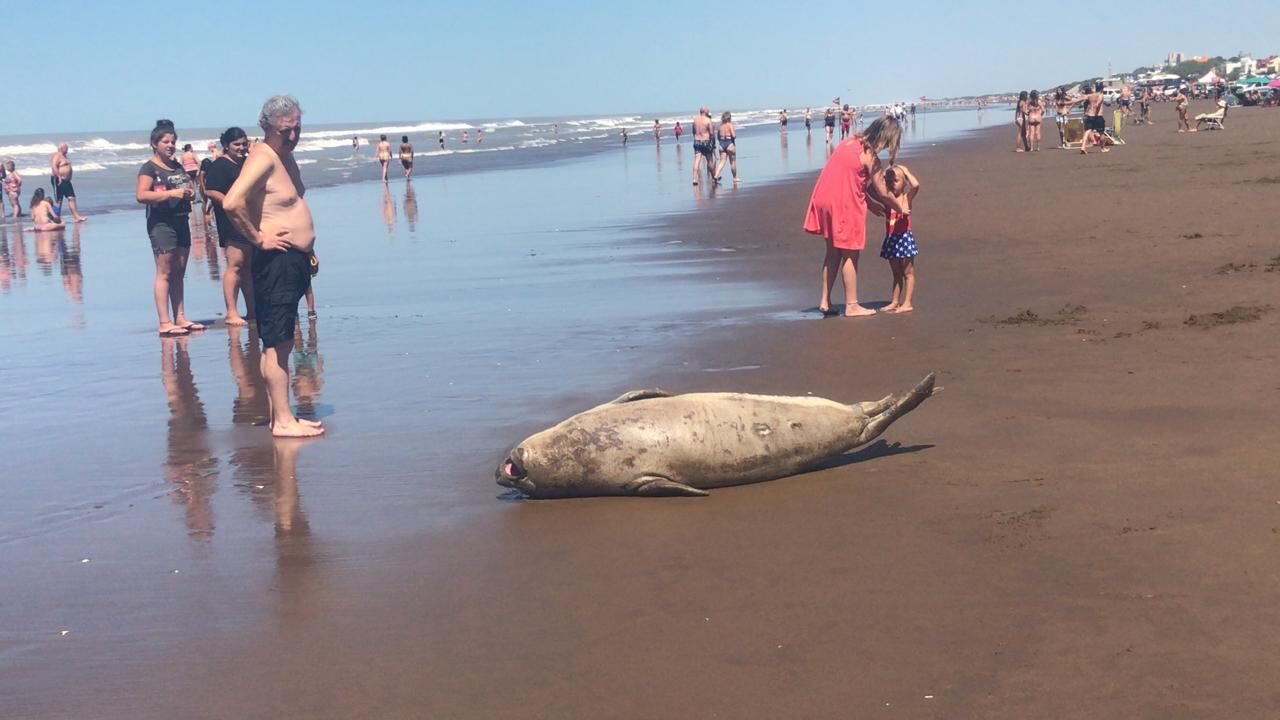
[511, 473]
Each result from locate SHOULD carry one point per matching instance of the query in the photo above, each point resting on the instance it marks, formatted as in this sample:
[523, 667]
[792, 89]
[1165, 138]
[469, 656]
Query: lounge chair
[1213, 120]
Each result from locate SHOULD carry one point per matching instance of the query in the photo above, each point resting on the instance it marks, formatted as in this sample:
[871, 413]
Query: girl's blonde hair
[726, 117]
[883, 134]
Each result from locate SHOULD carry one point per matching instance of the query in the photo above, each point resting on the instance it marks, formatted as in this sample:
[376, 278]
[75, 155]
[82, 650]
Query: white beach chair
[1213, 120]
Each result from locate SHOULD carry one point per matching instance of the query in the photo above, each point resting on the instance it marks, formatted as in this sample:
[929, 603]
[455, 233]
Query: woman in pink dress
[838, 207]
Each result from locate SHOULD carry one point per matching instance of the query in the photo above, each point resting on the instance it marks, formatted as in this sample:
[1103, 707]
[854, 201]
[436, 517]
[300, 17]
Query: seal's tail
[899, 406]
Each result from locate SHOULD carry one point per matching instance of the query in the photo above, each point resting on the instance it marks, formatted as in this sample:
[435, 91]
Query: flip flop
[175, 332]
[191, 326]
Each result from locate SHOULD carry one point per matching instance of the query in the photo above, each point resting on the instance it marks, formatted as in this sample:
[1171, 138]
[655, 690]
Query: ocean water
[106, 163]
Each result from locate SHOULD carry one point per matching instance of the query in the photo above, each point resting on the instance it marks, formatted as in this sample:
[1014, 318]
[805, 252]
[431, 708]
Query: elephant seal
[649, 442]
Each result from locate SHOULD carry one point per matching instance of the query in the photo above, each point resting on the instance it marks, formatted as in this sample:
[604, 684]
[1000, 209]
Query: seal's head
[514, 474]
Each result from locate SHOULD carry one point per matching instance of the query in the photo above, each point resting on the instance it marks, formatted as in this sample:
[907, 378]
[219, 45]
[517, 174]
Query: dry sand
[1082, 525]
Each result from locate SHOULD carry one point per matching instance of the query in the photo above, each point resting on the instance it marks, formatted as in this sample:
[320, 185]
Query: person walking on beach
[782, 120]
[829, 120]
[406, 155]
[266, 205]
[12, 184]
[657, 131]
[899, 246]
[383, 153]
[1035, 117]
[703, 145]
[678, 130]
[60, 172]
[1181, 105]
[808, 121]
[218, 179]
[1063, 105]
[190, 164]
[1144, 105]
[440, 139]
[1020, 122]
[206, 205]
[838, 207]
[846, 121]
[727, 134]
[1126, 100]
[624, 137]
[355, 143]
[166, 190]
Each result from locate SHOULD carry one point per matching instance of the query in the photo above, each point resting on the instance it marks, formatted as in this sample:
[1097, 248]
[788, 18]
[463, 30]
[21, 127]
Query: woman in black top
[166, 189]
[218, 180]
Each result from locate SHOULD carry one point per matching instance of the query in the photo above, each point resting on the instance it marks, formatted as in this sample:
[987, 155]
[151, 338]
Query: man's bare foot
[1192, 130]
[81, 218]
[1106, 149]
[297, 428]
[889, 308]
[855, 310]
[310, 423]
[737, 180]
[236, 320]
[903, 309]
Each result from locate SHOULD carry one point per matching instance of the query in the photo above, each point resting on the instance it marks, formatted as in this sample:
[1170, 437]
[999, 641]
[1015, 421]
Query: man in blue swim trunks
[704, 145]
[266, 206]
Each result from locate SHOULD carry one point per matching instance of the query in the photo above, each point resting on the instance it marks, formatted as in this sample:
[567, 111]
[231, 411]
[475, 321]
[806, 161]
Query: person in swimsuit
[43, 215]
[727, 134]
[12, 184]
[1020, 121]
[440, 139]
[355, 143]
[704, 146]
[899, 246]
[624, 136]
[383, 153]
[1126, 99]
[657, 131]
[267, 206]
[846, 121]
[1063, 104]
[850, 183]
[829, 120]
[808, 120]
[406, 155]
[1144, 104]
[61, 173]
[219, 178]
[782, 120]
[678, 130]
[1182, 102]
[190, 164]
[465, 137]
[1095, 126]
[1035, 116]
[167, 191]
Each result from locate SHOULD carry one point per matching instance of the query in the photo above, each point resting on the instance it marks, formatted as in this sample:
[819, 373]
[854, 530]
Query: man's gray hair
[276, 106]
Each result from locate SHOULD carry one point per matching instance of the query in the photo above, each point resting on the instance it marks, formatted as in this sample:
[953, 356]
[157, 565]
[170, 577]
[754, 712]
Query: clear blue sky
[120, 64]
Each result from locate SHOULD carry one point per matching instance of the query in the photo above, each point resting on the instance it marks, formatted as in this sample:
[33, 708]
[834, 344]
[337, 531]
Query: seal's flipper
[875, 407]
[634, 395]
[658, 486]
[902, 405]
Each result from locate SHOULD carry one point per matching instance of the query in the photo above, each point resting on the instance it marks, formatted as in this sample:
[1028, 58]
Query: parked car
[1110, 95]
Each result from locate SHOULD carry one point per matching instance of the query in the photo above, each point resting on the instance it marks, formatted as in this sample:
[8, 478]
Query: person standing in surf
[166, 189]
[838, 208]
[222, 174]
[266, 205]
[383, 153]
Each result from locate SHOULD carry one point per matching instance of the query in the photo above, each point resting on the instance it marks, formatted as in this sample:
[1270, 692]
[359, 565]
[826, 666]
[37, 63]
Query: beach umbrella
[1275, 82]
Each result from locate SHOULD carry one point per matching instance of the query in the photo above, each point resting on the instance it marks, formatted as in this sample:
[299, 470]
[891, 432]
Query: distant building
[1270, 65]
[1174, 58]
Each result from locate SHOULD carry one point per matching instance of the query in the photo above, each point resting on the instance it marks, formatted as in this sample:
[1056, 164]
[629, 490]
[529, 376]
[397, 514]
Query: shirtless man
[266, 206]
[1094, 124]
[1126, 100]
[704, 146]
[60, 178]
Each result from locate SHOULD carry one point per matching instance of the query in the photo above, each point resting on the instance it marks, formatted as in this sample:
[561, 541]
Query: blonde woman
[838, 207]
[727, 134]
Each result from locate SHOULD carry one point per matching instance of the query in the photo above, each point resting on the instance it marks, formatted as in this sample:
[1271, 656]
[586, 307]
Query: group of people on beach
[264, 225]
[45, 212]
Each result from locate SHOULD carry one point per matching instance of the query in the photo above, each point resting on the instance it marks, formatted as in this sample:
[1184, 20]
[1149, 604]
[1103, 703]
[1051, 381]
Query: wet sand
[1080, 525]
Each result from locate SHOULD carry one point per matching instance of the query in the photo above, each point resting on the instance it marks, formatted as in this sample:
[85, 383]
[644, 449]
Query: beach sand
[1082, 524]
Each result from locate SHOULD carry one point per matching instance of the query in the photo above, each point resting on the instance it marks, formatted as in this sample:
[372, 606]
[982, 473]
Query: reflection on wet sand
[204, 245]
[190, 466]
[13, 260]
[72, 273]
[308, 369]
[410, 206]
[46, 244]
[388, 210]
[786, 166]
